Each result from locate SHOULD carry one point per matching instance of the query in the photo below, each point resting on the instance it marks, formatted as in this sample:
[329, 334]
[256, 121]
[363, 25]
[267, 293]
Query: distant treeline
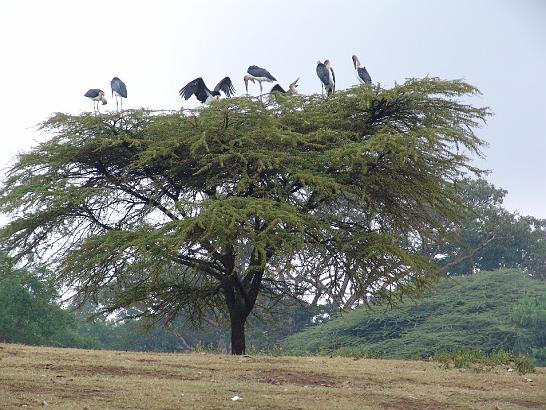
[497, 310]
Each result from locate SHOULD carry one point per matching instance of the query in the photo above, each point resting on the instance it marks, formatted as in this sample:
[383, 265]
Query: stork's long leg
[261, 88]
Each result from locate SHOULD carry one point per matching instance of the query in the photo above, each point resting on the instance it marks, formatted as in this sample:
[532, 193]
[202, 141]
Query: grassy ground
[33, 377]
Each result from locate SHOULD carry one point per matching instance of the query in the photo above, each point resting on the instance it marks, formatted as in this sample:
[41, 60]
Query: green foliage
[199, 212]
[479, 361]
[491, 237]
[473, 312]
[29, 314]
[530, 313]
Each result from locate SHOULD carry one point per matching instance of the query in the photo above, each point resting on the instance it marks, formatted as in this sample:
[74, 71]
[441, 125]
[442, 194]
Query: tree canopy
[201, 211]
[489, 237]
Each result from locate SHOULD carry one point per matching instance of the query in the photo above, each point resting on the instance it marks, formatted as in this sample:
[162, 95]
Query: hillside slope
[473, 312]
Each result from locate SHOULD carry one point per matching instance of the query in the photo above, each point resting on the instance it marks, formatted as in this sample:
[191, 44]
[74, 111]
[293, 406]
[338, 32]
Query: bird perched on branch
[361, 72]
[97, 95]
[119, 90]
[259, 74]
[326, 75]
[292, 88]
[198, 88]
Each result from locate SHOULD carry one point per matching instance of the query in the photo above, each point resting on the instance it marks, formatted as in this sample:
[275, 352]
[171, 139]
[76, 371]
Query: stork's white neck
[357, 61]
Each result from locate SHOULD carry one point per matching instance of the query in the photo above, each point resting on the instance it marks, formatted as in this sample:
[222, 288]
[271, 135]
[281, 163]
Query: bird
[292, 88]
[96, 95]
[119, 89]
[259, 74]
[326, 75]
[198, 88]
[361, 72]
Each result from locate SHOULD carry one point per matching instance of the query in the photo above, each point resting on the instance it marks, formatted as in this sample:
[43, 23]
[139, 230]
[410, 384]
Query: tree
[489, 237]
[203, 211]
[29, 314]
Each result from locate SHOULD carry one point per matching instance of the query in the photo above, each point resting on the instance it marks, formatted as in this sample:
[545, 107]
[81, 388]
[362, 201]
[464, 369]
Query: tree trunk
[240, 299]
[238, 344]
[240, 294]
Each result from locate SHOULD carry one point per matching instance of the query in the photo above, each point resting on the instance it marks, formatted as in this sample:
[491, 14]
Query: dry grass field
[38, 377]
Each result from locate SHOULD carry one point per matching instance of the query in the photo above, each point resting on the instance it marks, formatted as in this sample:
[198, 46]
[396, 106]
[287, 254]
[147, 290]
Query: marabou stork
[326, 75]
[96, 95]
[361, 72]
[259, 74]
[292, 88]
[119, 89]
[198, 88]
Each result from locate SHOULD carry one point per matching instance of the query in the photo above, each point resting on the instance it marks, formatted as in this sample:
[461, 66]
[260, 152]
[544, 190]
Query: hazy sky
[52, 52]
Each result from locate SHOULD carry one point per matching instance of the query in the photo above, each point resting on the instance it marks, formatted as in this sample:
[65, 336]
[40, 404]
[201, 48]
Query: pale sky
[52, 52]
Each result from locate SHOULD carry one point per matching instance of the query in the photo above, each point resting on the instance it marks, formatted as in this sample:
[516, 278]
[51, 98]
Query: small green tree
[199, 212]
[530, 314]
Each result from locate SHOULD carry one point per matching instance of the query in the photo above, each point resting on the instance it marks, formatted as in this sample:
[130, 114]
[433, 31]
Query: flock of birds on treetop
[197, 87]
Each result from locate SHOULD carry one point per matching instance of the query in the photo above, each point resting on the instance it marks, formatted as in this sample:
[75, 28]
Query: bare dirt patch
[528, 404]
[412, 404]
[85, 370]
[299, 378]
[66, 389]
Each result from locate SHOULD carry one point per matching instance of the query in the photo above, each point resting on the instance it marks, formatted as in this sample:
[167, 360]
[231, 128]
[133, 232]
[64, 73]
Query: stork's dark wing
[92, 93]
[364, 75]
[119, 87]
[256, 71]
[226, 86]
[277, 89]
[322, 72]
[196, 87]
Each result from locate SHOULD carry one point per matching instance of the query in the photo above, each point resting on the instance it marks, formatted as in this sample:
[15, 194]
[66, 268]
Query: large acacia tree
[199, 212]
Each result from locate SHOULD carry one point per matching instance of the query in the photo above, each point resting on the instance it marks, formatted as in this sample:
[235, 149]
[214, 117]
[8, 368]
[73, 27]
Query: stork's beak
[246, 84]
